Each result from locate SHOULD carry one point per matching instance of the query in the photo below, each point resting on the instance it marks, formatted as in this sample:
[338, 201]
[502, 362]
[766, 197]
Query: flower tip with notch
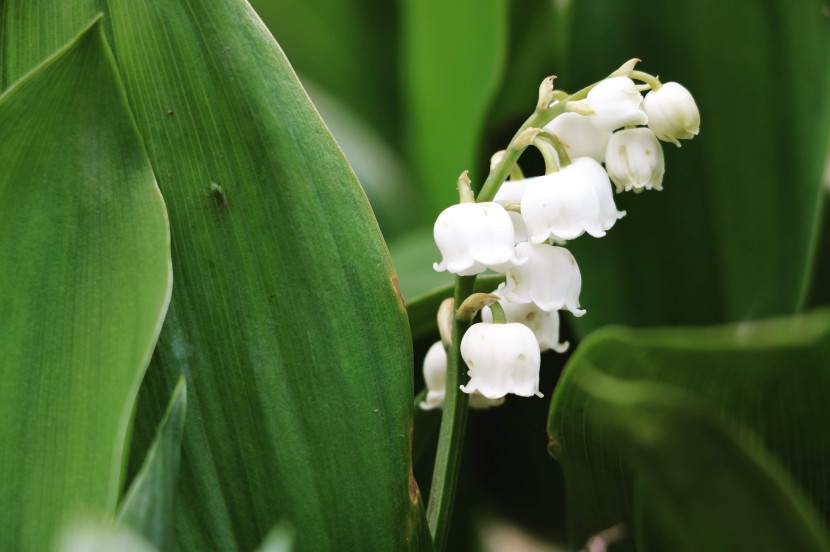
[626, 68]
[545, 93]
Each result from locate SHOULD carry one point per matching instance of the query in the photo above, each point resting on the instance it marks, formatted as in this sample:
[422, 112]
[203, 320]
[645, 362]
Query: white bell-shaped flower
[565, 204]
[672, 113]
[550, 279]
[544, 324]
[596, 175]
[473, 237]
[635, 160]
[616, 103]
[579, 136]
[513, 190]
[435, 377]
[502, 359]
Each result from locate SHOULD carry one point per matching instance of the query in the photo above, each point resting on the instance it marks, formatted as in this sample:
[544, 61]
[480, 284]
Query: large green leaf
[697, 486]
[148, 506]
[85, 272]
[453, 59]
[690, 254]
[347, 47]
[286, 321]
[769, 379]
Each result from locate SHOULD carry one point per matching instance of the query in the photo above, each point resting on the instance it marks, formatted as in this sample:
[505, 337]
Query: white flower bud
[544, 324]
[616, 103]
[550, 279]
[565, 204]
[473, 237]
[580, 136]
[634, 160]
[435, 377]
[502, 359]
[672, 113]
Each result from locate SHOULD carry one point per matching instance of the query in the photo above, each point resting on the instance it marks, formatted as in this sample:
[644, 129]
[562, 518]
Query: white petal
[608, 214]
[513, 190]
[550, 279]
[580, 136]
[480, 402]
[562, 205]
[616, 103]
[435, 376]
[473, 237]
[635, 160]
[673, 113]
[502, 359]
[544, 324]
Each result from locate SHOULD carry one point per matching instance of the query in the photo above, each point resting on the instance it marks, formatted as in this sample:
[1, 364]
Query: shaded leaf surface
[692, 253]
[85, 272]
[149, 505]
[767, 378]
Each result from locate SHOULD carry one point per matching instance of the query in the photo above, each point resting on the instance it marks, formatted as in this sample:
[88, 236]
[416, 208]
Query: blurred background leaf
[767, 380]
[86, 279]
[453, 56]
[733, 235]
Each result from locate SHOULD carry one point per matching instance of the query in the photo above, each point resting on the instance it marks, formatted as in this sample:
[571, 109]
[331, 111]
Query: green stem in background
[453, 424]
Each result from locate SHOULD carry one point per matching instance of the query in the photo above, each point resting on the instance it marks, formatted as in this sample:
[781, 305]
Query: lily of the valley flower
[635, 160]
[616, 103]
[550, 279]
[579, 136]
[544, 324]
[672, 113]
[473, 237]
[502, 359]
[565, 204]
[435, 377]
[513, 190]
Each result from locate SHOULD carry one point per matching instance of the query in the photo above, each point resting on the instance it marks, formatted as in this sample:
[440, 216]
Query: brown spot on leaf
[401, 300]
[414, 491]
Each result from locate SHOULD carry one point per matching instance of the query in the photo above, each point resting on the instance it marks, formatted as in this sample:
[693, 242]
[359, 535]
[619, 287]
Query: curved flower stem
[538, 119]
[453, 424]
[454, 416]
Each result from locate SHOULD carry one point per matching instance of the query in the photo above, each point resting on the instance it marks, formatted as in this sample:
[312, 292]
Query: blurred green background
[417, 91]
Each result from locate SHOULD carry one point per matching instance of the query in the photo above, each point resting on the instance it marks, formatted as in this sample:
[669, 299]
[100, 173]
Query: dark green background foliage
[281, 386]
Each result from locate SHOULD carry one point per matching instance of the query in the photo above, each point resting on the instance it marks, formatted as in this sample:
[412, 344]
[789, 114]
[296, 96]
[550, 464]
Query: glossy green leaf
[86, 279]
[767, 380]
[32, 31]
[349, 48]
[378, 167]
[149, 505]
[453, 59]
[286, 321]
[699, 484]
[732, 235]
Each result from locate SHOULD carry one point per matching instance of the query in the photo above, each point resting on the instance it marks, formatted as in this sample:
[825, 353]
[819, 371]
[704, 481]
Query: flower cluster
[519, 227]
